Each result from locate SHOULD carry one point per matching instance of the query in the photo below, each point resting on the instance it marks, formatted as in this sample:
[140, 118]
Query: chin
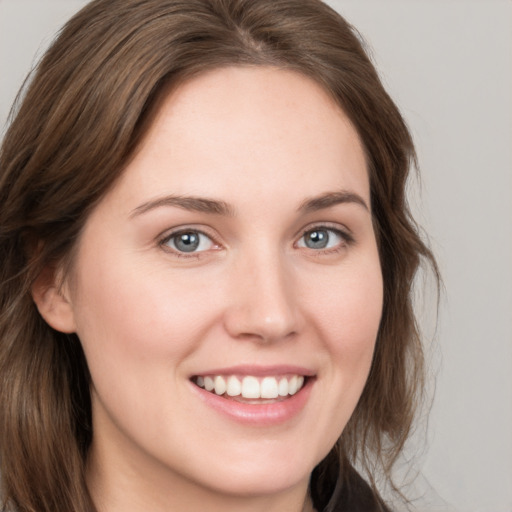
[268, 470]
[271, 480]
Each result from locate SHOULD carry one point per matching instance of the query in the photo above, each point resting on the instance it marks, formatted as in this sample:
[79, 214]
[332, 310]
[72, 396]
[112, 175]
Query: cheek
[143, 316]
[136, 327]
[348, 318]
[350, 307]
[345, 311]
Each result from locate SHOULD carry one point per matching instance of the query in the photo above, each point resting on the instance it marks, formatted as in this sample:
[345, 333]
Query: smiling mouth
[251, 389]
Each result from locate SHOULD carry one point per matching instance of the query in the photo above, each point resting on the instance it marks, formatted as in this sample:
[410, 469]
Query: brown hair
[81, 119]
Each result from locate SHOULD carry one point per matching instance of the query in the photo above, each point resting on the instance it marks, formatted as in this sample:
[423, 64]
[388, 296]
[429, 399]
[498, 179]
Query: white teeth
[269, 388]
[251, 387]
[208, 384]
[220, 385]
[283, 387]
[234, 386]
[292, 385]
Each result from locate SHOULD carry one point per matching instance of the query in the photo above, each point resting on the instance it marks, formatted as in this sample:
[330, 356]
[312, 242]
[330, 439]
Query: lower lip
[263, 415]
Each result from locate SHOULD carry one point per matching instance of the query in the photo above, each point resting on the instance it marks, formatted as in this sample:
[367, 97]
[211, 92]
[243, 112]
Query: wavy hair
[82, 115]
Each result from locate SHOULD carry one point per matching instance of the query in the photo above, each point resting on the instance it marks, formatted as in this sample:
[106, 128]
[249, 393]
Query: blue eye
[322, 238]
[189, 241]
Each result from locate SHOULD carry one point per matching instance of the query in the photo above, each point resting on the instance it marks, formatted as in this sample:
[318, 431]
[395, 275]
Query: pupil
[187, 242]
[317, 239]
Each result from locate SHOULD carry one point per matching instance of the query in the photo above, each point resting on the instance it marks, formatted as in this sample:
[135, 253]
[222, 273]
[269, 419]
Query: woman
[207, 265]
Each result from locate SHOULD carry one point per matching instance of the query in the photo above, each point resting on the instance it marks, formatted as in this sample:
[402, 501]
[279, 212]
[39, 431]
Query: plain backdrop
[448, 65]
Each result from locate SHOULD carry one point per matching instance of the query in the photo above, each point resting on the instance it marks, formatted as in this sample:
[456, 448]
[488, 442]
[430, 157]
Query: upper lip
[258, 371]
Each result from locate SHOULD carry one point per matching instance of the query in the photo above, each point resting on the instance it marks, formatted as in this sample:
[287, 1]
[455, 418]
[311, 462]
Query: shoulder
[355, 495]
[333, 490]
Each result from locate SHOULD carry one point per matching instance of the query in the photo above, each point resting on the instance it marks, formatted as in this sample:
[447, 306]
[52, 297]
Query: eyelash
[181, 254]
[347, 240]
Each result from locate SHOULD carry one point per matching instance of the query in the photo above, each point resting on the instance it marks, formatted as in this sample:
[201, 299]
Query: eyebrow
[332, 199]
[192, 203]
[217, 207]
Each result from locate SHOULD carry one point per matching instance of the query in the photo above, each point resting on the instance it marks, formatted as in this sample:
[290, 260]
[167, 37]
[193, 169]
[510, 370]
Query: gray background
[448, 64]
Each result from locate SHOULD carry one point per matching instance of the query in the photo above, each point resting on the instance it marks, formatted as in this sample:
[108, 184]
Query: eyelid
[168, 234]
[342, 230]
[347, 239]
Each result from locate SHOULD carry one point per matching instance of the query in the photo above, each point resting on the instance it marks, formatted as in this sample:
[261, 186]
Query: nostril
[264, 308]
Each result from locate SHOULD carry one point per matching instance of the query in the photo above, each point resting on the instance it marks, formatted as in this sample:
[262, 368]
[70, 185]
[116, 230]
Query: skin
[263, 141]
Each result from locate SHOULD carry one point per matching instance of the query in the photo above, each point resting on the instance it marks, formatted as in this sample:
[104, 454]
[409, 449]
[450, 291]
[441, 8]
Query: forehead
[259, 125]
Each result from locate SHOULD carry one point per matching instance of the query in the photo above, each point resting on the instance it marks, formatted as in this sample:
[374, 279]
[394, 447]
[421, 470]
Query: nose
[263, 303]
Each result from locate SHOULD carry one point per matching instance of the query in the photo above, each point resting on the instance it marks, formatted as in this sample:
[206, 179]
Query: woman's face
[237, 250]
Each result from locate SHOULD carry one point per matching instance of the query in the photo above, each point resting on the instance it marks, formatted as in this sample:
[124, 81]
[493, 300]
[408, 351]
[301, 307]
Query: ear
[52, 300]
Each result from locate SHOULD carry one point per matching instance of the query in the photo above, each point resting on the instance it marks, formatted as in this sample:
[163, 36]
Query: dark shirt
[344, 492]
